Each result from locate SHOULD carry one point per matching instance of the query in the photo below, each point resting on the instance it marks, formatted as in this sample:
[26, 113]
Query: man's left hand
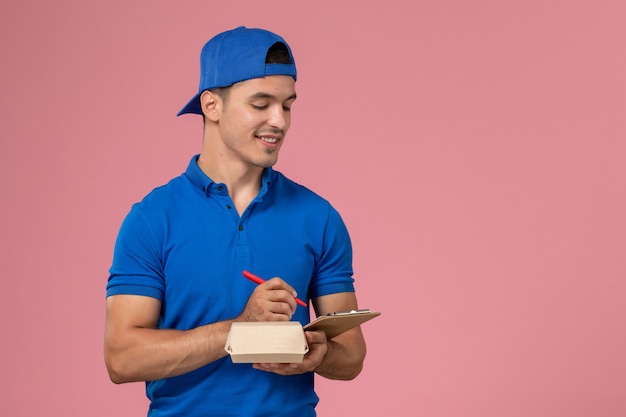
[318, 346]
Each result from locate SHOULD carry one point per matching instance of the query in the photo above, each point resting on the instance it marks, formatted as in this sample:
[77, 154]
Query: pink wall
[475, 149]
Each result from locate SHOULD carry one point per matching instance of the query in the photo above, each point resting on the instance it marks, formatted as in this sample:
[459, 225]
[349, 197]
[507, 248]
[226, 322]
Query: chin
[269, 162]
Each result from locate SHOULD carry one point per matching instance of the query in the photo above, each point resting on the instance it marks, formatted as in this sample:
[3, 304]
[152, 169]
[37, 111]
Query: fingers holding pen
[272, 300]
[281, 295]
[277, 284]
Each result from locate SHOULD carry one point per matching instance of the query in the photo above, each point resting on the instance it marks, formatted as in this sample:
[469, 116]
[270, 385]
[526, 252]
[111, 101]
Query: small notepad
[334, 324]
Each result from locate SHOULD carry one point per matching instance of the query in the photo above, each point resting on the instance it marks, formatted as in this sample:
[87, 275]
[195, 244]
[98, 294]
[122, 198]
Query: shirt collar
[197, 176]
[206, 184]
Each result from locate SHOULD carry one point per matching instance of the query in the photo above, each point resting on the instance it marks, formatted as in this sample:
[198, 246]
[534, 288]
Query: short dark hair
[278, 54]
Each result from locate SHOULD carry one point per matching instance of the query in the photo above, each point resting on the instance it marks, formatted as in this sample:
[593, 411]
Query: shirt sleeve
[333, 270]
[137, 267]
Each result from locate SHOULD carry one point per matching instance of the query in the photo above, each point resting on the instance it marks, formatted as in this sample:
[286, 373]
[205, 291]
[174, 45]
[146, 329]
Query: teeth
[268, 140]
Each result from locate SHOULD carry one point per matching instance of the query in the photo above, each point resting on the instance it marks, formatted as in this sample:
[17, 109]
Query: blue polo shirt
[185, 245]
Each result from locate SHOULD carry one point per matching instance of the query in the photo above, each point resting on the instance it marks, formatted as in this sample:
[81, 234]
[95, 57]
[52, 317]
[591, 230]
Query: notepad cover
[337, 323]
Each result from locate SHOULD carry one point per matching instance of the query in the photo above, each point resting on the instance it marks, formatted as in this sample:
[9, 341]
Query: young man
[176, 282]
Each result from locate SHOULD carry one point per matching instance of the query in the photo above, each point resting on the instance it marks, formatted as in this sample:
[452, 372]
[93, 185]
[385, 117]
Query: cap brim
[193, 106]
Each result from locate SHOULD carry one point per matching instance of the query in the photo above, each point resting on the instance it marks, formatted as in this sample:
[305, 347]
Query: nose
[279, 117]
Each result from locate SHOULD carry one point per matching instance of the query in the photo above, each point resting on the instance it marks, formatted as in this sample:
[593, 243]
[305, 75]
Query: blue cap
[237, 55]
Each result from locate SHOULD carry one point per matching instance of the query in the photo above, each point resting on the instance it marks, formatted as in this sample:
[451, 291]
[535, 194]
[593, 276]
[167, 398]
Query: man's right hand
[273, 300]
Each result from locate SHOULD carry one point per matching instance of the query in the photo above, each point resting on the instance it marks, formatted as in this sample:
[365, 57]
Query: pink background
[474, 148]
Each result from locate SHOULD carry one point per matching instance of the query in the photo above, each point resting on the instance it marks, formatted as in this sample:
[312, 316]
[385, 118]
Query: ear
[210, 103]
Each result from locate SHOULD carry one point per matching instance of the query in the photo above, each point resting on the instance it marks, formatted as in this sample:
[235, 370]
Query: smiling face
[250, 120]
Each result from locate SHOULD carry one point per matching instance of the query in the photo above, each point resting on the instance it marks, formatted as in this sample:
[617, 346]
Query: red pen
[258, 280]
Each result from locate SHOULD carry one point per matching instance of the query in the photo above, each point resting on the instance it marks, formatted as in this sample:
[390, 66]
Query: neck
[243, 181]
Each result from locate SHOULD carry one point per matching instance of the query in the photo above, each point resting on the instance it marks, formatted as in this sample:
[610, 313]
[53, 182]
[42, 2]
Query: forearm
[345, 353]
[135, 350]
[147, 354]
[344, 358]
